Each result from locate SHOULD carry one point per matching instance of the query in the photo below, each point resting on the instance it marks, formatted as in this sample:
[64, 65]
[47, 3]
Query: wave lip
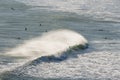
[50, 43]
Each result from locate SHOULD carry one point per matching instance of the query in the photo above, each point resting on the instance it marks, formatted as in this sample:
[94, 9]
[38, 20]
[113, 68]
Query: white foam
[50, 43]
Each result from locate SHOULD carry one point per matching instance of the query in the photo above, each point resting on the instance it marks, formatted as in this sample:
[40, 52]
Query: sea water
[97, 20]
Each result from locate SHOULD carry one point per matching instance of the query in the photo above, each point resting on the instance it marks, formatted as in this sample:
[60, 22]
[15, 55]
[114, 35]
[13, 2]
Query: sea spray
[50, 43]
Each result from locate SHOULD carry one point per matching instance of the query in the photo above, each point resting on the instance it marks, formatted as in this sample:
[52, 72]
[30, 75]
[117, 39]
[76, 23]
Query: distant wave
[102, 10]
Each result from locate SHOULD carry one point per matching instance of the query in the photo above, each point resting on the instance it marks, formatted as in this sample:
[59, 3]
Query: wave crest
[50, 43]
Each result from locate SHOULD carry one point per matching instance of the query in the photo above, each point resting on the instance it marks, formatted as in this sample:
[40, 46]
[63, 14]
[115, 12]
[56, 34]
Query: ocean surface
[97, 20]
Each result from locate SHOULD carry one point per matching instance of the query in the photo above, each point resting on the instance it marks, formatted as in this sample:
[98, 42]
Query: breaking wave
[52, 46]
[50, 43]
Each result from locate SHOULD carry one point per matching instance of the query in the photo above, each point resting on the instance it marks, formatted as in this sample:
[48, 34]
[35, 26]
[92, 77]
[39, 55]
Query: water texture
[24, 21]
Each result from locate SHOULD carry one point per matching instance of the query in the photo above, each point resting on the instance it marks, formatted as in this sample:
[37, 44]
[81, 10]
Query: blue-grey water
[97, 20]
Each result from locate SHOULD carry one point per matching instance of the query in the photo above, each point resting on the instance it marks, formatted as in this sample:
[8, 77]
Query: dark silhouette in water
[100, 30]
[18, 38]
[12, 9]
[40, 24]
[25, 29]
[46, 31]
[106, 38]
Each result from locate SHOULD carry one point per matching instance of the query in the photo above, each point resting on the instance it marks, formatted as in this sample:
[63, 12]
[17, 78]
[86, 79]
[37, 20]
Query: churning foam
[49, 43]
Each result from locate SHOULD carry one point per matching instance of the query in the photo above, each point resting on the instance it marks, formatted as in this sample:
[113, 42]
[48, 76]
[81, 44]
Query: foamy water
[53, 43]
